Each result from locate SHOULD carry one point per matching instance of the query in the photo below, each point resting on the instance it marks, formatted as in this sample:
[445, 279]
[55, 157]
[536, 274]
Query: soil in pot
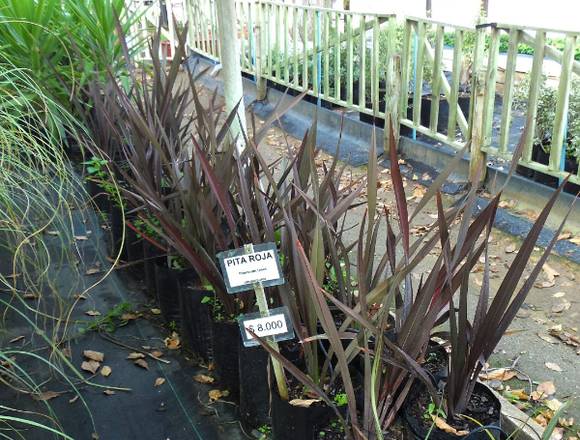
[226, 349]
[254, 394]
[98, 196]
[196, 320]
[117, 227]
[483, 407]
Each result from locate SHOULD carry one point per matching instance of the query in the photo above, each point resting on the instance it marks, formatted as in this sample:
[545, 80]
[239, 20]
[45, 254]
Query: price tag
[276, 326]
[242, 270]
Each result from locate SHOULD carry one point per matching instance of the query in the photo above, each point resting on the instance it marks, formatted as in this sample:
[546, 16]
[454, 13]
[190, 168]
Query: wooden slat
[405, 68]
[418, 71]
[491, 80]
[560, 120]
[316, 54]
[362, 66]
[268, 19]
[286, 54]
[453, 96]
[534, 93]
[349, 67]
[508, 90]
[296, 76]
[304, 49]
[436, 79]
[278, 18]
[375, 67]
[326, 66]
[337, 20]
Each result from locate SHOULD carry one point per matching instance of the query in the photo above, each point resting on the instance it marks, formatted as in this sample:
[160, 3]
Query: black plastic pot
[196, 321]
[291, 422]
[99, 196]
[443, 120]
[117, 227]
[254, 393]
[226, 349]
[418, 427]
[151, 256]
[167, 287]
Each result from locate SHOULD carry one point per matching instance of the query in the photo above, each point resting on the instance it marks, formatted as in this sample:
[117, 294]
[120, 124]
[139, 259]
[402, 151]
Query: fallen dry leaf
[157, 353]
[156, 311]
[546, 388]
[559, 294]
[74, 399]
[547, 338]
[564, 236]
[566, 422]
[304, 403]
[444, 426]
[553, 366]
[216, 394]
[94, 355]
[550, 272]
[575, 240]
[92, 271]
[510, 248]
[173, 342]
[106, 371]
[46, 395]
[553, 404]
[202, 378]
[135, 355]
[81, 237]
[519, 394]
[128, 316]
[159, 381]
[109, 392]
[561, 306]
[90, 366]
[93, 313]
[16, 339]
[541, 420]
[141, 363]
[502, 374]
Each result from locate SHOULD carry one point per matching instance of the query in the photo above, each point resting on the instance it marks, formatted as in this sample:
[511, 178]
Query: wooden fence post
[478, 157]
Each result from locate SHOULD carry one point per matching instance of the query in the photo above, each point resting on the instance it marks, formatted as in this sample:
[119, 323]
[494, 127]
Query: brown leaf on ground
[215, 394]
[90, 366]
[74, 399]
[109, 392]
[94, 355]
[444, 426]
[566, 422]
[106, 371]
[141, 363]
[502, 374]
[93, 313]
[547, 338]
[16, 339]
[546, 388]
[157, 353]
[519, 394]
[553, 404]
[304, 403]
[173, 342]
[561, 306]
[565, 236]
[550, 272]
[46, 395]
[575, 240]
[510, 248]
[202, 378]
[155, 311]
[128, 316]
[553, 366]
[135, 355]
[92, 271]
[159, 381]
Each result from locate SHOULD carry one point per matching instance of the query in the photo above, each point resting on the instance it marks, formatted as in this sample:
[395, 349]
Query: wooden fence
[454, 83]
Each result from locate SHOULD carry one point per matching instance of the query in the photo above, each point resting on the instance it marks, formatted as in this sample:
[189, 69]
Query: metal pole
[231, 69]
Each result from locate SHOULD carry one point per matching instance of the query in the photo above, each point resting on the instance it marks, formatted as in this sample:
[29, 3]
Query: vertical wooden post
[262, 303]
[261, 83]
[231, 71]
[478, 157]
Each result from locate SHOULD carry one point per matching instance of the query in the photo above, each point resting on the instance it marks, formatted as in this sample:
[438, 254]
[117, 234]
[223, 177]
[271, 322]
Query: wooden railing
[453, 83]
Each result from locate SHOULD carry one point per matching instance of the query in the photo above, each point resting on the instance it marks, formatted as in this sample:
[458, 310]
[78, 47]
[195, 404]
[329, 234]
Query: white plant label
[267, 326]
[242, 269]
[276, 326]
